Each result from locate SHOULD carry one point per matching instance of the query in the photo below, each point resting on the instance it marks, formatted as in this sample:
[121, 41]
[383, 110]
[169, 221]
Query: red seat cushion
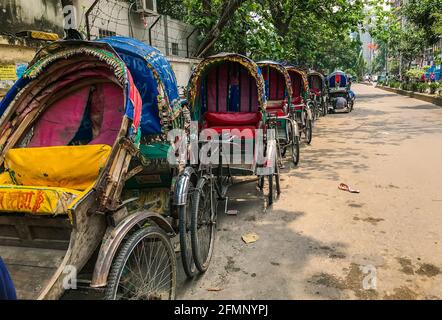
[316, 91]
[245, 122]
[297, 100]
[234, 119]
[276, 107]
[246, 132]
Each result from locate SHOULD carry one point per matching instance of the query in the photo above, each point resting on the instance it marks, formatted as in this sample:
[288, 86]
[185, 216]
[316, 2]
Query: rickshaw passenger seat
[276, 107]
[47, 180]
[234, 120]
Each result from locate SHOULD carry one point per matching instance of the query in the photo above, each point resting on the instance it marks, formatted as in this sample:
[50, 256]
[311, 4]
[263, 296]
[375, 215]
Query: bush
[406, 86]
[394, 84]
[422, 87]
[434, 87]
[415, 73]
[413, 86]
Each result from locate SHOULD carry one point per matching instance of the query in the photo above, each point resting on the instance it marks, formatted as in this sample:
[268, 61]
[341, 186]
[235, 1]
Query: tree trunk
[228, 10]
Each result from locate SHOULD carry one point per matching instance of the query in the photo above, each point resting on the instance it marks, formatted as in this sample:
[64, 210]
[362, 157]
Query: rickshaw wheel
[308, 131]
[185, 217]
[144, 268]
[294, 145]
[274, 190]
[324, 109]
[203, 224]
[260, 183]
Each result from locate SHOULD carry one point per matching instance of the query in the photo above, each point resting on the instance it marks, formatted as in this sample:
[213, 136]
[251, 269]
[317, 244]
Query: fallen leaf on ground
[250, 237]
[214, 289]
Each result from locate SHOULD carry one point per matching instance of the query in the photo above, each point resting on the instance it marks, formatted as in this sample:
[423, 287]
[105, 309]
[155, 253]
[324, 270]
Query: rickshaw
[85, 189]
[301, 106]
[318, 92]
[278, 90]
[339, 95]
[227, 98]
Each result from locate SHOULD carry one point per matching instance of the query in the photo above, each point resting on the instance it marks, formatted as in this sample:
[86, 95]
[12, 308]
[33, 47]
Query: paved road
[316, 240]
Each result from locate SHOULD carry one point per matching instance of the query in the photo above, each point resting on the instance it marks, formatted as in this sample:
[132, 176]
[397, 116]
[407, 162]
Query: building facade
[94, 19]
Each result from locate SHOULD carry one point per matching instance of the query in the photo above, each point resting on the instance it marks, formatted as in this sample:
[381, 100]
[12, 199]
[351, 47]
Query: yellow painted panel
[72, 167]
[8, 72]
[35, 200]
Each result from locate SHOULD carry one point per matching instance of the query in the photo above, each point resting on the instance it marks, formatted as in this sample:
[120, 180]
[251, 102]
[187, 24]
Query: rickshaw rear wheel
[203, 224]
[144, 268]
[274, 185]
[294, 144]
[308, 131]
[261, 183]
[185, 218]
[324, 109]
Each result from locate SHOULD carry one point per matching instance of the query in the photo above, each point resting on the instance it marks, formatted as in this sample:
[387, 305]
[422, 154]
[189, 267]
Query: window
[103, 33]
[175, 50]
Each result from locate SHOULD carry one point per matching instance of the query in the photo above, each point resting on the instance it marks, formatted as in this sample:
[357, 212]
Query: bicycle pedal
[232, 212]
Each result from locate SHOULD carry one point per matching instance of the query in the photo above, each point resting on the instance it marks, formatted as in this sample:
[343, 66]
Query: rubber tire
[294, 147]
[124, 253]
[324, 109]
[186, 252]
[273, 177]
[308, 131]
[202, 266]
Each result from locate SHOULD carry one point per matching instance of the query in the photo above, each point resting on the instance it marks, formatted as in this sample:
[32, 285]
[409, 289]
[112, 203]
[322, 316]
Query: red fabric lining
[108, 103]
[247, 97]
[61, 121]
[59, 124]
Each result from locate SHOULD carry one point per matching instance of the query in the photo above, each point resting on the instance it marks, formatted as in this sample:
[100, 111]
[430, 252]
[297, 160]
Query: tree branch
[228, 10]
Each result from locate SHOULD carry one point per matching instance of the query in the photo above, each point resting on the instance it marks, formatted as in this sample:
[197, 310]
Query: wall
[109, 15]
[43, 15]
[112, 16]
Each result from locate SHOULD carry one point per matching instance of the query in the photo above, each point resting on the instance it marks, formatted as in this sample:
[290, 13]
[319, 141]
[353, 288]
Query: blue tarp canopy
[331, 79]
[149, 69]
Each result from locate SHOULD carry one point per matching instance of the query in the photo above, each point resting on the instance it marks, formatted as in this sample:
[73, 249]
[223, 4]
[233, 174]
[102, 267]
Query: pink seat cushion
[245, 122]
[297, 100]
[316, 91]
[233, 119]
[246, 132]
[276, 107]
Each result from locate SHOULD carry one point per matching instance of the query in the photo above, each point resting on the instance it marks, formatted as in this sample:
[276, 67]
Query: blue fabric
[437, 73]
[10, 95]
[332, 79]
[141, 59]
[7, 290]
[351, 94]
[234, 98]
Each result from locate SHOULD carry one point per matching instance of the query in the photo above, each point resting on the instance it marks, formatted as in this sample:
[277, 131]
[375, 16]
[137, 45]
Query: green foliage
[422, 87]
[313, 33]
[425, 14]
[415, 73]
[434, 87]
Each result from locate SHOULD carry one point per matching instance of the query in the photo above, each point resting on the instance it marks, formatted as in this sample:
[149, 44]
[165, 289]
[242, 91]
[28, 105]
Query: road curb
[416, 95]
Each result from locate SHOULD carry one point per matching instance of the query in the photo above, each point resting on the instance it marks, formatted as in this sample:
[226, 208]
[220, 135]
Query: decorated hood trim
[247, 63]
[112, 60]
[282, 70]
[302, 74]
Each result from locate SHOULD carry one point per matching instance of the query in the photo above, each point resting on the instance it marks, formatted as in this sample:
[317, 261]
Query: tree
[424, 15]
[314, 33]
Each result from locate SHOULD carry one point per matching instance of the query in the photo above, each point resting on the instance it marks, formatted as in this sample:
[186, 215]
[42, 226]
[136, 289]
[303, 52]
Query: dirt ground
[318, 242]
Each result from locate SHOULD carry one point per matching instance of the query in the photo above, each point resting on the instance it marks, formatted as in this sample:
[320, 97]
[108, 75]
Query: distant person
[422, 78]
[432, 77]
[7, 290]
